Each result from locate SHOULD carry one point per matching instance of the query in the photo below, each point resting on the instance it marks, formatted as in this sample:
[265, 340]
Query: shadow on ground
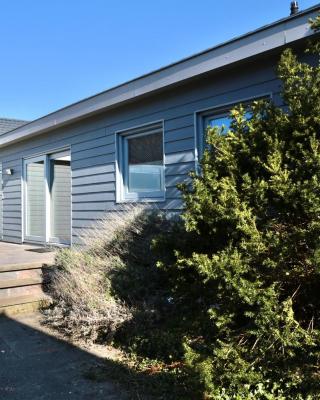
[35, 365]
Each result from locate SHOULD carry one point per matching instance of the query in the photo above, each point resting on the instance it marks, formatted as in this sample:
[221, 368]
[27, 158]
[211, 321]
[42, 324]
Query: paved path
[20, 254]
[37, 366]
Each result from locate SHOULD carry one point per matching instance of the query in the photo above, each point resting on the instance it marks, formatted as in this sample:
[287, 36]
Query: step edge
[20, 309]
[19, 300]
[17, 283]
[23, 266]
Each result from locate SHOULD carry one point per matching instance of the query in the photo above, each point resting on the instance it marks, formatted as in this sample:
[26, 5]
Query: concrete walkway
[21, 254]
[34, 365]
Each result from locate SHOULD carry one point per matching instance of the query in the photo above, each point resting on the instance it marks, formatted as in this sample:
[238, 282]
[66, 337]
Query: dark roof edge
[13, 119]
[288, 19]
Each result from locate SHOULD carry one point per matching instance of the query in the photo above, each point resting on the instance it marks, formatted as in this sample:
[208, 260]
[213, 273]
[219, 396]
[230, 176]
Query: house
[136, 141]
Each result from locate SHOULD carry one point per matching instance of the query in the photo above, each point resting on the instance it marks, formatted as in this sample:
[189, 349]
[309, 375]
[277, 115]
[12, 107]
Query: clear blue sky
[56, 52]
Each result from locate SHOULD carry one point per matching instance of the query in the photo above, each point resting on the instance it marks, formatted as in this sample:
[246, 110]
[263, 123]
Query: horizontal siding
[99, 188]
[1, 203]
[179, 146]
[180, 157]
[102, 196]
[11, 239]
[93, 148]
[12, 182]
[181, 168]
[93, 206]
[93, 179]
[184, 133]
[92, 161]
[94, 170]
[92, 142]
[93, 152]
[12, 203]
[174, 180]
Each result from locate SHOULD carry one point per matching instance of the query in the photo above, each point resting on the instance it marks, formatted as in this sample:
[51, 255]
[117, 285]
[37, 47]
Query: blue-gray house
[134, 142]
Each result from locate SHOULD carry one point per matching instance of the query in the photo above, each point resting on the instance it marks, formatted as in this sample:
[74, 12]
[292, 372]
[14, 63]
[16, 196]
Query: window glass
[220, 122]
[142, 164]
[219, 117]
[145, 162]
[223, 121]
[35, 198]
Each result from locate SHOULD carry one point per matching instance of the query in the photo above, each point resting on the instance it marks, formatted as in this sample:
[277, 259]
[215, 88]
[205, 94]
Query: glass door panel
[35, 199]
[60, 198]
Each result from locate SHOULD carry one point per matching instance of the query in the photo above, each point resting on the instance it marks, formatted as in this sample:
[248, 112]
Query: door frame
[46, 157]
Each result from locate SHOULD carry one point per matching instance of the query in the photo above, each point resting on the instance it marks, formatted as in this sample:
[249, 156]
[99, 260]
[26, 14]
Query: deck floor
[11, 254]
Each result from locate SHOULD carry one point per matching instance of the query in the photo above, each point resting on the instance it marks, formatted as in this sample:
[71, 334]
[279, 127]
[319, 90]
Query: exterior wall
[1, 206]
[93, 144]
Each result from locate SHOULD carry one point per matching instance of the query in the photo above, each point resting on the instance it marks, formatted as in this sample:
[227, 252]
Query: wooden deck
[22, 283]
[17, 254]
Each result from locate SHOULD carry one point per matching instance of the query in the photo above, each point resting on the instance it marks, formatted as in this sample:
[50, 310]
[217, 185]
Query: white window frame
[123, 137]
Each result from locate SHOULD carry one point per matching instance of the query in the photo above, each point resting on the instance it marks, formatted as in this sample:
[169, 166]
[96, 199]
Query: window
[219, 117]
[141, 164]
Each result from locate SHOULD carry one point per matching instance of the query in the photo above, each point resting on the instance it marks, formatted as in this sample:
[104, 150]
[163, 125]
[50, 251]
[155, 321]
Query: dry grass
[125, 221]
[84, 307]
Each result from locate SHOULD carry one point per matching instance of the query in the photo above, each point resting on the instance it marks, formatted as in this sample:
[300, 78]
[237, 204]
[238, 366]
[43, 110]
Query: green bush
[248, 272]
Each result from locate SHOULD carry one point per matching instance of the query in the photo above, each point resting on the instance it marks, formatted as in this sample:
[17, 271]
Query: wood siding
[93, 145]
[1, 203]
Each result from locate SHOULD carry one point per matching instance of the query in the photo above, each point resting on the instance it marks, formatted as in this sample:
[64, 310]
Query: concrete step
[19, 282]
[23, 304]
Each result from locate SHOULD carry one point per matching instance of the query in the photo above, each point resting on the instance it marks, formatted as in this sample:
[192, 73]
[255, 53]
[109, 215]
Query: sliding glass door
[60, 198]
[47, 208]
[35, 200]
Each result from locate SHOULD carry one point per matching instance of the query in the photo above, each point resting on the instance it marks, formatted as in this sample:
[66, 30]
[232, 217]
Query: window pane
[145, 159]
[224, 121]
[220, 122]
[145, 178]
[146, 149]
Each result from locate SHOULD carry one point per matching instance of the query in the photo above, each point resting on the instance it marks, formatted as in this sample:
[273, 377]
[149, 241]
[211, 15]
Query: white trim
[47, 198]
[22, 201]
